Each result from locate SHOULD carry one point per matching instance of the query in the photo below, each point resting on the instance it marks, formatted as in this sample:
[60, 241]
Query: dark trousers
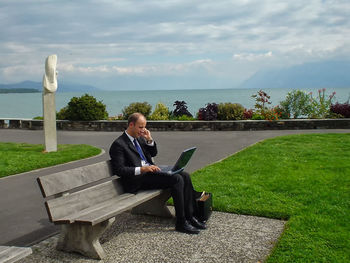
[181, 188]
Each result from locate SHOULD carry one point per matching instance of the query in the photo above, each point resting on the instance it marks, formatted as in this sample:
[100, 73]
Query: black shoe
[186, 227]
[197, 224]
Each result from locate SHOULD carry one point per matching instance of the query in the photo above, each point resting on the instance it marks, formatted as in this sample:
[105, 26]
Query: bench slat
[66, 180]
[71, 218]
[116, 208]
[13, 254]
[72, 203]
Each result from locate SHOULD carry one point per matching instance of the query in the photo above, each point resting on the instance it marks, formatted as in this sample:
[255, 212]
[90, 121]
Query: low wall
[245, 125]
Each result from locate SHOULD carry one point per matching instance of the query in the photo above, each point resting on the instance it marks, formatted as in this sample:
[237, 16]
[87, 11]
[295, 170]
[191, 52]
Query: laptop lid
[183, 159]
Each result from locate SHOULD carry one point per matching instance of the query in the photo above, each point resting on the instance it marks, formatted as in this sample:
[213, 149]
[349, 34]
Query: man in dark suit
[131, 157]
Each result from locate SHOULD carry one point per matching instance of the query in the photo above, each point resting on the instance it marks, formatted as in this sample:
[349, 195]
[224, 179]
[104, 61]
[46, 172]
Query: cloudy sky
[119, 44]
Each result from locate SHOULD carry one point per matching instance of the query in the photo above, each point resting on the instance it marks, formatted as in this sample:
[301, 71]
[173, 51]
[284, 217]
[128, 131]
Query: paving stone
[137, 238]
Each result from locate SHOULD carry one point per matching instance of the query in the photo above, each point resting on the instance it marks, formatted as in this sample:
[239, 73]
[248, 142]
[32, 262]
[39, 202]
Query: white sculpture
[49, 104]
[50, 77]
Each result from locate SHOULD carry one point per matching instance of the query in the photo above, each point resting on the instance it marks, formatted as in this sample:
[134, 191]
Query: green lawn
[302, 178]
[21, 157]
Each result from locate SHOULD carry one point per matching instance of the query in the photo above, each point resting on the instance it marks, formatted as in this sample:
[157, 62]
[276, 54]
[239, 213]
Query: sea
[29, 105]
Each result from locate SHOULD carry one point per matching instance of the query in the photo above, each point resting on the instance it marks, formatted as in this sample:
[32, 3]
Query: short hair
[133, 118]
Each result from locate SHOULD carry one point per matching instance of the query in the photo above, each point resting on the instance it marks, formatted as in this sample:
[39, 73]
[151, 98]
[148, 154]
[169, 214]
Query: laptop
[180, 163]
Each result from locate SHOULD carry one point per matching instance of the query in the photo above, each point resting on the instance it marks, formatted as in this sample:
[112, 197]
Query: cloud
[175, 37]
[251, 56]
[144, 70]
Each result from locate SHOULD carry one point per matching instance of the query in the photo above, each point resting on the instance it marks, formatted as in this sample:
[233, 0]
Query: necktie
[138, 148]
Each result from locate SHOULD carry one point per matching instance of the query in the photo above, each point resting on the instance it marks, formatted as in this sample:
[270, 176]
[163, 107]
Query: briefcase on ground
[204, 205]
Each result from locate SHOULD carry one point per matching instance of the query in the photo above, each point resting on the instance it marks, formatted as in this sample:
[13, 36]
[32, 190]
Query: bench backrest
[64, 207]
[76, 189]
[64, 181]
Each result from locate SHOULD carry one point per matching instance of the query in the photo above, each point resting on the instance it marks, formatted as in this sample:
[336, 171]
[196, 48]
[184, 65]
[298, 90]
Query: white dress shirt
[143, 163]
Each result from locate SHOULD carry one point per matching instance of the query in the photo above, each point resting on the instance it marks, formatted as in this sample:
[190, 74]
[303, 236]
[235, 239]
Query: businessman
[131, 157]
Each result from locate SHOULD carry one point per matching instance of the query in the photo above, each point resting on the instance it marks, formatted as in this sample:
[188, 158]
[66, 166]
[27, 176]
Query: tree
[84, 108]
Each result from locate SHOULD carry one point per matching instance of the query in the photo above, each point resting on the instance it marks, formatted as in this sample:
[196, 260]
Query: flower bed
[243, 125]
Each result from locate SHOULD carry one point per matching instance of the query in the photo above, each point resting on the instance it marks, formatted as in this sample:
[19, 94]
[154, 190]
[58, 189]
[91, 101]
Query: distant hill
[30, 86]
[62, 87]
[4, 91]
[329, 74]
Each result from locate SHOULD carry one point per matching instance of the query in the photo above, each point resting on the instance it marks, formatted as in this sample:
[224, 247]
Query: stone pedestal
[49, 111]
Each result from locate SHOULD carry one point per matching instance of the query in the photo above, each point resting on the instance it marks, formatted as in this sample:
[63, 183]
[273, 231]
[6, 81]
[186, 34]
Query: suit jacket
[125, 157]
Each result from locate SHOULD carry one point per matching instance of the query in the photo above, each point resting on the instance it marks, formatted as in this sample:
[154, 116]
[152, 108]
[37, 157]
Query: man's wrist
[138, 170]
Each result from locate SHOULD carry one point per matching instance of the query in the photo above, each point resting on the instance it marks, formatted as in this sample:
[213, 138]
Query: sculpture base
[49, 110]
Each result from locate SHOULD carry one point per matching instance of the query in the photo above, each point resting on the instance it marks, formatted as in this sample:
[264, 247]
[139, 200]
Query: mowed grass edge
[302, 178]
[22, 157]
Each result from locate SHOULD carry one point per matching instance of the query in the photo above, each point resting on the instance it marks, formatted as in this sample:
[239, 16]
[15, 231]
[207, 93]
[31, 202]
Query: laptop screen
[184, 158]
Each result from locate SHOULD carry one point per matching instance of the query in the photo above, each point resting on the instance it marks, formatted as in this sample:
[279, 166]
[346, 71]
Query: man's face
[137, 129]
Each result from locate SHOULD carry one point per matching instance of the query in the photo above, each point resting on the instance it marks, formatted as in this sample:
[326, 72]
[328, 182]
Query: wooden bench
[85, 201]
[13, 254]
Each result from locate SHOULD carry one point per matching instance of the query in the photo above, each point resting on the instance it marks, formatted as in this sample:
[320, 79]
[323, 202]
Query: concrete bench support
[84, 239]
[156, 206]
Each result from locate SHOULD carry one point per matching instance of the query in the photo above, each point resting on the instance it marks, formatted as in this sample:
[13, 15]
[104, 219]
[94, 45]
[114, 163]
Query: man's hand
[150, 169]
[147, 135]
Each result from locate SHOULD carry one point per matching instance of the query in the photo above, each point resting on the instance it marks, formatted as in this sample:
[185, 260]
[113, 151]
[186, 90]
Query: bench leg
[156, 206]
[84, 239]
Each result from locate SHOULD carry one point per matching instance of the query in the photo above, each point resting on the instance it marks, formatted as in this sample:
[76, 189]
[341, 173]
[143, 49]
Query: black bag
[204, 205]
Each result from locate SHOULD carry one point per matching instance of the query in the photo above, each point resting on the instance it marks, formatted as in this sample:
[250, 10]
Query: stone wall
[246, 125]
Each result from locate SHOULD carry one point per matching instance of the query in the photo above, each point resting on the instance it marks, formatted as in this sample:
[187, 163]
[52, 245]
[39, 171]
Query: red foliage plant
[342, 109]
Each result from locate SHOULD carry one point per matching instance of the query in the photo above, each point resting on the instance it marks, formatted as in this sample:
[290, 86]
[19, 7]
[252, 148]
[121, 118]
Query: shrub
[84, 108]
[180, 109]
[272, 114]
[161, 112]
[183, 118]
[209, 113]
[61, 115]
[248, 114]
[257, 116]
[282, 113]
[342, 109]
[320, 106]
[142, 107]
[117, 117]
[261, 99]
[230, 111]
[296, 104]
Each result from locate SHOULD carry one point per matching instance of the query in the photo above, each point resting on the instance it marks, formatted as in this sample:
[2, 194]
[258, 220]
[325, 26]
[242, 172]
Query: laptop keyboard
[165, 169]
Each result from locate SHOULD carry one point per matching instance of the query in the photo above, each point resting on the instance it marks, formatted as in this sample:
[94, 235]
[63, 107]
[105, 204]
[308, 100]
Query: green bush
[296, 104]
[84, 108]
[61, 115]
[183, 118]
[230, 111]
[161, 112]
[282, 113]
[142, 107]
[321, 105]
[257, 116]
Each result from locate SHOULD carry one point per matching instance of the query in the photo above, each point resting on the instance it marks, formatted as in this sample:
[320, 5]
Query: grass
[302, 178]
[21, 157]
